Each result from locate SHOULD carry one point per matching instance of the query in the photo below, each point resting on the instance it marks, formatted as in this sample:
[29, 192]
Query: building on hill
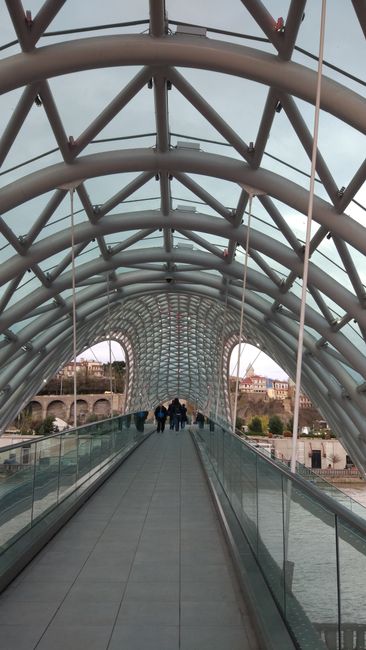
[305, 402]
[245, 385]
[280, 389]
[253, 384]
[91, 368]
[275, 389]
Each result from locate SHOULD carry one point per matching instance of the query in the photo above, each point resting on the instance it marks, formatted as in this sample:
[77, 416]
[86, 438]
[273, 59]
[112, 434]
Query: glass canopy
[132, 138]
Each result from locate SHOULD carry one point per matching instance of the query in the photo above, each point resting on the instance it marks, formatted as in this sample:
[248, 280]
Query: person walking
[140, 418]
[177, 413]
[160, 417]
[184, 418]
[170, 415]
[200, 419]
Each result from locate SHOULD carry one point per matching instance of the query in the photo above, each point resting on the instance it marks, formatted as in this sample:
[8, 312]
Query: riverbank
[356, 492]
[352, 480]
[346, 476]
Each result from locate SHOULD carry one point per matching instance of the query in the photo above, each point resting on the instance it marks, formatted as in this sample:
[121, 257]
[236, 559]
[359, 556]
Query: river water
[312, 540]
[315, 574]
[356, 491]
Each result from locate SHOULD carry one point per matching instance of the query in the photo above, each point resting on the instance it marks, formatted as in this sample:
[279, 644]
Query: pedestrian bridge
[114, 538]
[181, 178]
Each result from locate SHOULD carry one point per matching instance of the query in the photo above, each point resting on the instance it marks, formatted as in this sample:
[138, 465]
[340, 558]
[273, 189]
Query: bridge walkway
[143, 565]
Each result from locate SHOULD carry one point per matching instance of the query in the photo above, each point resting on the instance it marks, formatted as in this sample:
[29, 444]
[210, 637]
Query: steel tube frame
[181, 51]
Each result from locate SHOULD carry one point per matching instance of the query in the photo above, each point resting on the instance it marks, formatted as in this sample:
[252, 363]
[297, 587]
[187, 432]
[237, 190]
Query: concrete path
[142, 566]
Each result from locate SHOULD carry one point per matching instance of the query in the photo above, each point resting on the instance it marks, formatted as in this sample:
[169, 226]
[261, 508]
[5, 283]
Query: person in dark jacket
[170, 415]
[200, 419]
[184, 418]
[177, 413]
[160, 417]
[140, 418]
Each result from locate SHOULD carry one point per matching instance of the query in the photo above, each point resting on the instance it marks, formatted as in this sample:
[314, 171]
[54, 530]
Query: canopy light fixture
[278, 107]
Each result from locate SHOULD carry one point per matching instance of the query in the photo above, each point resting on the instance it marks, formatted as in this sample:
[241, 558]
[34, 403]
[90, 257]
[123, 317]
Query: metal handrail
[65, 432]
[337, 508]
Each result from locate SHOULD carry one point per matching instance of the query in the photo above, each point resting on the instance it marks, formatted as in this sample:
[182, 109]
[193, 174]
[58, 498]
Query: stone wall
[257, 404]
[62, 406]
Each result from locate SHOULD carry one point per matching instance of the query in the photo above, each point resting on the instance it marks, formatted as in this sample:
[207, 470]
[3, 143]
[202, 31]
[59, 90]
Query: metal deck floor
[142, 566]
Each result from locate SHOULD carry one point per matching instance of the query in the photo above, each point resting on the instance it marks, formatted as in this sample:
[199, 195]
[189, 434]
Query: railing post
[59, 470]
[34, 482]
[338, 581]
[257, 504]
[284, 545]
[77, 455]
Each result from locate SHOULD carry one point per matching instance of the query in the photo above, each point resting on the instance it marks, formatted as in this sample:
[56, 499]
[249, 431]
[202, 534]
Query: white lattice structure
[163, 134]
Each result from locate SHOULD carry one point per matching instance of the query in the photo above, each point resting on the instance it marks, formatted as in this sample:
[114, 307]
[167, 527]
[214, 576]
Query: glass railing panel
[328, 488]
[270, 552]
[124, 437]
[314, 565]
[325, 486]
[37, 475]
[120, 438]
[68, 464]
[96, 449]
[212, 446]
[220, 454]
[106, 444]
[352, 572]
[357, 508]
[249, 495]
[84, 443]
[311, 560]
[227, 462]
[235, 475]
[46, 474]
[16, 493]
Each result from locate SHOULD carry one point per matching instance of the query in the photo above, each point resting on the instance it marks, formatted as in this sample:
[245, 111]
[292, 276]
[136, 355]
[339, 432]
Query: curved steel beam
[182, 51]
[259, 283]
[138, 160]
[88, 297]
[338, 293]
[264, 327]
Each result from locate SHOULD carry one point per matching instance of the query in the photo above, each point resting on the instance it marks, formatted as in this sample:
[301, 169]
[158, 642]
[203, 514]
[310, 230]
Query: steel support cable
[307, 242]
[238, 361]
[213, 30]
[288, 565]
[242, 308]
[110, 348]
[221, 351]
[72, 189]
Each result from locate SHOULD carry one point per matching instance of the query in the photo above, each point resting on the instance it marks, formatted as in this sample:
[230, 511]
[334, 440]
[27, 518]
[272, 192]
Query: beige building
[313, 453]
[91, 368]
[253, 384]
[273, 388]
[280, 389]
[305, 402]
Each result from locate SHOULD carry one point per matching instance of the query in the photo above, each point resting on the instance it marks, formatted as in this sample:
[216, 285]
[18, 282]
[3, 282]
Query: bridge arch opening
[34, 409]
[58, 409]
[102, 407]
[82, 410]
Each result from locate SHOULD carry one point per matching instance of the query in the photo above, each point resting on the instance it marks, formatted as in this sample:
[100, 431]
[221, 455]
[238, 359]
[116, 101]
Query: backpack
[177, 410]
